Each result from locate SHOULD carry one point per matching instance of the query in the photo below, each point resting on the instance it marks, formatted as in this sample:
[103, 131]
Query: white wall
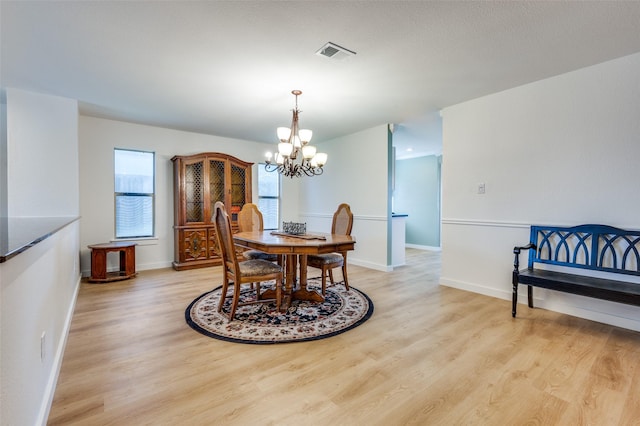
[3, 159]
[38, 293]
[43, 151]
[356, 173]
[365, 188]
[45, 278]
[38, 287]
[559, 151]
[417, 193]
[99, 137]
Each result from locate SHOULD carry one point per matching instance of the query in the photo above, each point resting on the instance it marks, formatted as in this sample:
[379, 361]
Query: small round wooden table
[99, 261]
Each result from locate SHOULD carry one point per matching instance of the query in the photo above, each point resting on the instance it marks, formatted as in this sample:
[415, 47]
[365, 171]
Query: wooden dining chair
[250, 219]
[342, 224]
[246, 272]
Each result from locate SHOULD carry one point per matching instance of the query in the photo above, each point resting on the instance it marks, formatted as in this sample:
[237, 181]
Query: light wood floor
[430, 355]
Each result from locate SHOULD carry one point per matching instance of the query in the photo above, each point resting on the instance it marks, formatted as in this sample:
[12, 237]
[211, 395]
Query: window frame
[270, 197]
[152, 195]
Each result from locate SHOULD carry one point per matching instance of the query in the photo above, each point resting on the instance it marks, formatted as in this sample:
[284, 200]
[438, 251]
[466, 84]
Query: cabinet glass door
[194, 192]
[216, 182]
[237, 190]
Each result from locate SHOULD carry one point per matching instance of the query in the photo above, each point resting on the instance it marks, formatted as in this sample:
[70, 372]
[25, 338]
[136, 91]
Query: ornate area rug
[262, 324]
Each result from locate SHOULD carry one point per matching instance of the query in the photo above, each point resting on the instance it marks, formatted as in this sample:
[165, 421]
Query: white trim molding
[370, 265]
[519, 225]
[490, 223]
[421, 247]
[355, 217]
[553, 304]
[56, 366]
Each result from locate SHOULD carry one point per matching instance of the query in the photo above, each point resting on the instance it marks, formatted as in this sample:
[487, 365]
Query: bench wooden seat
[599, 248]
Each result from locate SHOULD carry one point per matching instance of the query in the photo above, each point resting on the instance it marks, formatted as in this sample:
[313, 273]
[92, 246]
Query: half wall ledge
[18, 234]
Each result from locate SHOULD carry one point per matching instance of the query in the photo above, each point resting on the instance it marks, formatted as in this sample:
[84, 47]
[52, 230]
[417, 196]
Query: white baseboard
[420, 247]
[475, 288]
[161, 265]
[155, 265]
[370, 265]
[549, 304]
[139, 267]
[50, 389]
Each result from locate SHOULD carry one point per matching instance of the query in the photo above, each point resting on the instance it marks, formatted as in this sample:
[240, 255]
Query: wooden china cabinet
[199, 181]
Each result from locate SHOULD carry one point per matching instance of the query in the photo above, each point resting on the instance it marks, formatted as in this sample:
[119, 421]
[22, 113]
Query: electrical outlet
[43, 345]
[481, 188]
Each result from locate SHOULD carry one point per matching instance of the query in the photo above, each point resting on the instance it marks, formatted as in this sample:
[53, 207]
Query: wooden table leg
[289, 283]
[292, 293]
[302, 293]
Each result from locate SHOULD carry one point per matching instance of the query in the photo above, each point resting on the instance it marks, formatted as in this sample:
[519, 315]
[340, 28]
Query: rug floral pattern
[261, 323]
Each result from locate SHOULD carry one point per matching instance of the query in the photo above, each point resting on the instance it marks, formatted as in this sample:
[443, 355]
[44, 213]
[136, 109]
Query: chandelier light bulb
[321, 159]
[283, 133]
[305, 135]
[285, 149]
[279, 158]
[308, 151]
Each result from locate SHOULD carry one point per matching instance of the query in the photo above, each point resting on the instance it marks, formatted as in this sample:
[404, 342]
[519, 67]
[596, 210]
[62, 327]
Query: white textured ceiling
[228, 67]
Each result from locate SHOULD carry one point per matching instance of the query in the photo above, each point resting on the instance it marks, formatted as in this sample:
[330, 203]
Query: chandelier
[294, 145]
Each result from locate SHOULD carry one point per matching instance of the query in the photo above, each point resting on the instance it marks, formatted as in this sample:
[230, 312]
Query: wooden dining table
[295, 248]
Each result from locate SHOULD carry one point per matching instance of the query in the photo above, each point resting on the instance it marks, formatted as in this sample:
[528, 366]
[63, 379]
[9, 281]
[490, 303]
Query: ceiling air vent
[333, 51]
